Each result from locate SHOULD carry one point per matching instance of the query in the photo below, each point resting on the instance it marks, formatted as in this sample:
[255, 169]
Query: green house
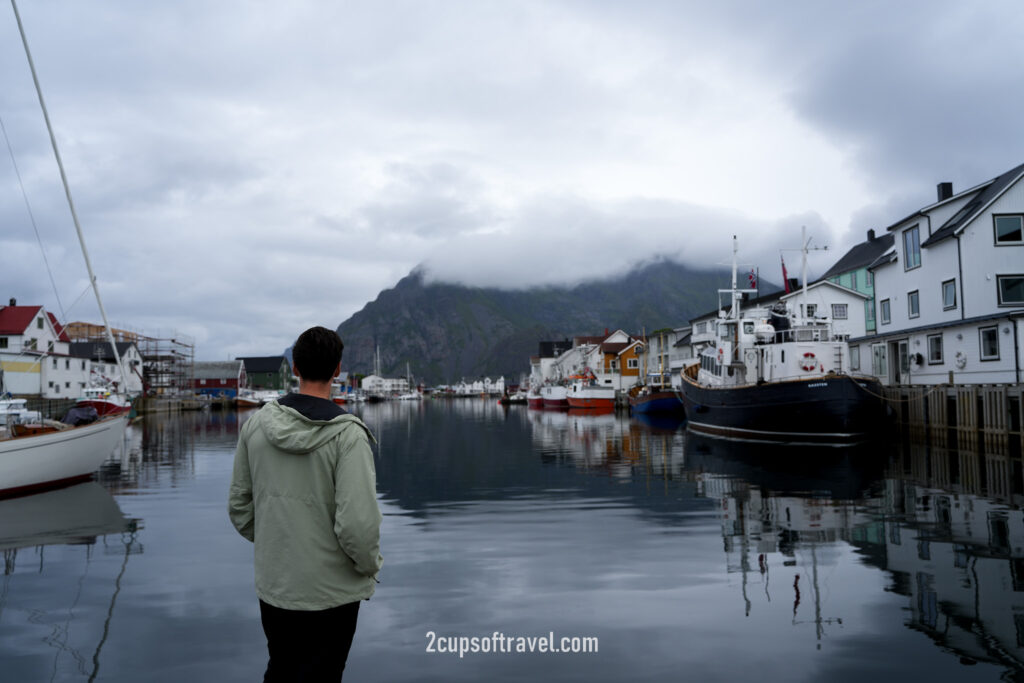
[268, 372]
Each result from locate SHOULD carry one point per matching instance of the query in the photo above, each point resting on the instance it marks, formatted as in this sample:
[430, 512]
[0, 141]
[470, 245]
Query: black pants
[307, 646]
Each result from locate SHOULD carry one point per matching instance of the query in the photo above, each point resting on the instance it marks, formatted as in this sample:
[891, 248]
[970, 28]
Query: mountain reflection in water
[688, 557]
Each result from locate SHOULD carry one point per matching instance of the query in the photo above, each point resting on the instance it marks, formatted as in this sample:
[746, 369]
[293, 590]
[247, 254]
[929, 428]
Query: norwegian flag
[785, 277]
[753, 279]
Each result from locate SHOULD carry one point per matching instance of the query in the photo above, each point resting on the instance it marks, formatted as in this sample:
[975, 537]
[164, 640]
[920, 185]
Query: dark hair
[316, 354]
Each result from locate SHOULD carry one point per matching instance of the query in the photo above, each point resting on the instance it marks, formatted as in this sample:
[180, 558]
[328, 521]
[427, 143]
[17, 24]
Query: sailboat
[47, 454]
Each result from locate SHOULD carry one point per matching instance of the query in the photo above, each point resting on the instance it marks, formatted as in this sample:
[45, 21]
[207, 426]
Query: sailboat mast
[67, 193]
[803, 268]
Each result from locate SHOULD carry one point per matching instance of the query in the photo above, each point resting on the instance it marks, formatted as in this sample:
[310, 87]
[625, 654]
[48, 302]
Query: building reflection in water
[945, 524]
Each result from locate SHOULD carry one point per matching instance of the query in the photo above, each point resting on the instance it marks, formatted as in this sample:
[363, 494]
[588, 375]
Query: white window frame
[994, 329]
[929, 340]
[884, 312]
[995, 230]
[912, 249]
[999, 289]
[952, 285]
[632, 363]
[836, 308]
[914, 302]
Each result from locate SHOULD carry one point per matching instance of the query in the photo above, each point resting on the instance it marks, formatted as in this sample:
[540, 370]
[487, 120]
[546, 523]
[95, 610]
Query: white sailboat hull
[34, 462]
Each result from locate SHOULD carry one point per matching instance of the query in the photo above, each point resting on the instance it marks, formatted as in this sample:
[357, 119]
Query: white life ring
[808, 362]
[960, 360]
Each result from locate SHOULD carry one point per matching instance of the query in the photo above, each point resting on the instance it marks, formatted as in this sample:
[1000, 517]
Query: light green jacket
[304, 491]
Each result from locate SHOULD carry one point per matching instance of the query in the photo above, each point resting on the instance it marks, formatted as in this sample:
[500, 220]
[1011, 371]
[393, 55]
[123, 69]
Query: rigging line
[32, 218]
[67, 187]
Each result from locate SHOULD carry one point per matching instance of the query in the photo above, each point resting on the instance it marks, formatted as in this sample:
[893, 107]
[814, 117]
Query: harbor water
[675, 557]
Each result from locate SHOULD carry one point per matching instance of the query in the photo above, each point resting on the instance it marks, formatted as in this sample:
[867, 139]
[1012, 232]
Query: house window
[632, 363]
[223, 381]
[67, 385]
[1009, 229]
[53, 363]
[51, 385]
[934, 349]
[869, 312]
[31, 343]
[948, 295]
[1011, 290]
[886, 317]
[839, 311]
[913, 304]
[989, 338]
[911, 248]
[853, 280]
[39, 323]
[202, 381]
[702, 328]
[3, 342]
[855, 357]
[67, 363]
[83, 365]
[879, 364]
[869, 279]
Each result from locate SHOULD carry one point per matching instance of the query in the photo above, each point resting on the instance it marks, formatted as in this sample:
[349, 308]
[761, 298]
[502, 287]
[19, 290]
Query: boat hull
[828, 410]
[658, 402]
[55, 459]
[554, 397]
[104, 408]
[591, 402]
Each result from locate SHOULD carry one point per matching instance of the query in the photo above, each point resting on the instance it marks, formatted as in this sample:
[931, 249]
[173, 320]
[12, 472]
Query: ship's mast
[67, 192]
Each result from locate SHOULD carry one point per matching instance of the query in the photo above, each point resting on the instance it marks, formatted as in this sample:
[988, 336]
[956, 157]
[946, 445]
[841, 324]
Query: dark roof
[614, 347]
[97, 350]
[61, 334]
[970, 210]
[764, 298]
[861, 256]
[217, 369]
[254, 364]
[683, 340]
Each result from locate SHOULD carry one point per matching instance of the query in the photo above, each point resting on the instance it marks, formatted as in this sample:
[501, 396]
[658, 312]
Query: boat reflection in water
[946, 525]
[39, 606]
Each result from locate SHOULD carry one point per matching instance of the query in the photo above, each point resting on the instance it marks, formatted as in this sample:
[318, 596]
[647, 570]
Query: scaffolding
[167, 358]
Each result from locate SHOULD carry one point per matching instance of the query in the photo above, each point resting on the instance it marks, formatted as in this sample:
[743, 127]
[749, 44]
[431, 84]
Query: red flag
[753, 279]
[785, 278]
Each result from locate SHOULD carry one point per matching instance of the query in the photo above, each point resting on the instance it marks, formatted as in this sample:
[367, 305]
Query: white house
[103, 368]
[825, 300]
[34, 355]
[949, 294]
[384, 386]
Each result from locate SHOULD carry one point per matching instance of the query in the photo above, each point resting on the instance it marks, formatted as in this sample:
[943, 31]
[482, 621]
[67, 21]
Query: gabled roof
[823, 283]
[614, 347]
[861, 255]
[217, 369]
[61, 334]
[988, 194]
[16, 319]
[764, 298]
[98, 350]
[254, 364]
[888, 256]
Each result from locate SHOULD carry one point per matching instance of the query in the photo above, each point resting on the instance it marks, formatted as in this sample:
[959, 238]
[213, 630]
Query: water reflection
[683, 553]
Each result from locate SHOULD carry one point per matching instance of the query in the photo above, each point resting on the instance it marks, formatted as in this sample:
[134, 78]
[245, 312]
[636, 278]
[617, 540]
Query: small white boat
[15, 411]
[46, 456]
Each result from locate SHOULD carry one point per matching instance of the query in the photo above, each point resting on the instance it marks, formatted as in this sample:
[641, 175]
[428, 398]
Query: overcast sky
[244, 170]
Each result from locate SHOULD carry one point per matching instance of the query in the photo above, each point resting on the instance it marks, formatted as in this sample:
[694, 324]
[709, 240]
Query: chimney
[945, 191]
[871, 235]
[14, 302]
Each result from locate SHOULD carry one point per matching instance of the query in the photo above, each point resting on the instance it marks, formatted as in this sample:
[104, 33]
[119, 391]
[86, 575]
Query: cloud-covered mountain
[448, 331]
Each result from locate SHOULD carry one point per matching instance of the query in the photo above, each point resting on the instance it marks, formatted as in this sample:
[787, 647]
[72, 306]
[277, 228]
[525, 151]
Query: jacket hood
[292, 432]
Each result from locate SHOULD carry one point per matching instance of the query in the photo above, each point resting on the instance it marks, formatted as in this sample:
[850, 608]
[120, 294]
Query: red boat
[583, 394]
[105, 402]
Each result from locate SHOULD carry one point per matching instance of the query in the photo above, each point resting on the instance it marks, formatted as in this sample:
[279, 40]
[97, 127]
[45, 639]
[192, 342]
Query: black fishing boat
[772, 375]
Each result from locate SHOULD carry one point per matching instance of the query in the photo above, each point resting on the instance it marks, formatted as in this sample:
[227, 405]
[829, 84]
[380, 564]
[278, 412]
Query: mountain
[446, 332]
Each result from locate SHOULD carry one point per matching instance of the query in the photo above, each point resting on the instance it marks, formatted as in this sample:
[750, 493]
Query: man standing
[304, 492]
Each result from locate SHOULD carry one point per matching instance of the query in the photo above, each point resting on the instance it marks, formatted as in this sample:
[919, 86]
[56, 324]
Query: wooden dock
[987, 416]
